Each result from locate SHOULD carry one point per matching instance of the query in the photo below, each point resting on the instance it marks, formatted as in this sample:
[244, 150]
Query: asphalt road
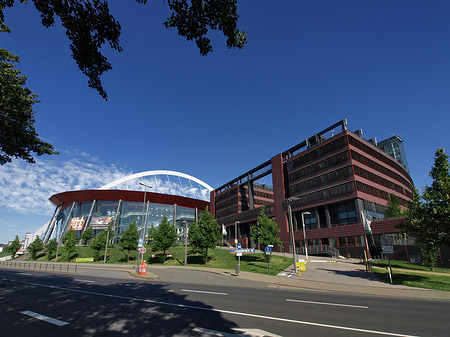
[193, 303]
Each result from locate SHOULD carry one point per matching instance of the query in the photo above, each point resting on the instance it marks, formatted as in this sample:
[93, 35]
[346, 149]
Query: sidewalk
[322, 274]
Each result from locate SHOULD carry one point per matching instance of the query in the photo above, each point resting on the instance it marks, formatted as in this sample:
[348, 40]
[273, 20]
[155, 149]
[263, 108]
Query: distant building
[394, 147]
[334, 180]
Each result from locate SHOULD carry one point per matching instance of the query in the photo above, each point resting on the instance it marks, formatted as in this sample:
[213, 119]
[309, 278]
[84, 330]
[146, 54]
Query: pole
[142, 227]
[185, 243]
[291, 227]
[106, 246]
[304, 235]
[235, 233]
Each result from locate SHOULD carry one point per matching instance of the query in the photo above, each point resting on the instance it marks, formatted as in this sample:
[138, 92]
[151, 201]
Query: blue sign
[268, 249]
[247, 250]
[140, 242]
[239, 246]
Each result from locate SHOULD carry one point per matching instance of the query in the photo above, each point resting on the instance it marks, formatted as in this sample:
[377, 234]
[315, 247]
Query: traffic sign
[142, 250]
[140, 242]
[268, 249]
[239, 246]
[238, 254]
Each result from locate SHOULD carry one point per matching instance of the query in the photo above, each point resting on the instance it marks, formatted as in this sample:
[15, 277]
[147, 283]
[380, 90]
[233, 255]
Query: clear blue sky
[383, 65]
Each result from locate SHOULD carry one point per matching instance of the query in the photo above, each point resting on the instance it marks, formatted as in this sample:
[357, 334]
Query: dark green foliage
[428, 216]
[151, 233]
[265, 232]
[35, 247]
[87, 236]
[193, 18]
[393, 210]
[165, 236]
[18, 137]
[129, 240]
[70, 240]
[89, 26]
[98, 244]
[14, 246]
[204, 233]
[50, 249]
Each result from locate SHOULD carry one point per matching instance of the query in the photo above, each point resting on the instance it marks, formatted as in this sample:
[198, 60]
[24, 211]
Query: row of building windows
[377, 192]
[226, 203]
[321, 180]
[264, 194]
[320, 151]
[327, 193]
[226, 195]
[374, 153]
[381, 181]
[343, 241]
[321, 165]
[226, 212]
[250, 214]
[380, 168]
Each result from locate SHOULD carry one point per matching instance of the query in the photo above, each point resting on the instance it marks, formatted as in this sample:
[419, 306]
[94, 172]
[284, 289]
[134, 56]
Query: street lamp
[291, 229]
[304, 233]
[143, 215]
[236, 233]
[238, 266]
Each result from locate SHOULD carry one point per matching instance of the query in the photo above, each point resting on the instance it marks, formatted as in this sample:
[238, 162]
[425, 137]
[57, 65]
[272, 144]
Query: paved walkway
[322, 274]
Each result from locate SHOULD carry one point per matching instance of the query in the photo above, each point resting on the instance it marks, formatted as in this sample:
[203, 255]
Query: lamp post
[291, 229]
[143, 215]
[236, 233]
[238, 266]
[304, 233]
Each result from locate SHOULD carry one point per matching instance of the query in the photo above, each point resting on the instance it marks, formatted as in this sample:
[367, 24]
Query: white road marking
[44, 318]
[25, 274]
[214, 332]
[80, 280]
[204, 292]
[237, 313]
[333, 304]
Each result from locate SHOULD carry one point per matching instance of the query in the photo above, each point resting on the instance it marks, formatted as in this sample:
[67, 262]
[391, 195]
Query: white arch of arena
[155, 173]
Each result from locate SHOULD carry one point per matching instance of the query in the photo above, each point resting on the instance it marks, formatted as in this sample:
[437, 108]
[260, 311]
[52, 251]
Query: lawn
[218, 258]
[413, 275]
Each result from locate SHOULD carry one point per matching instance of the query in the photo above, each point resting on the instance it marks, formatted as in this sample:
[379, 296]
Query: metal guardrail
[325, 249]
[62, 267]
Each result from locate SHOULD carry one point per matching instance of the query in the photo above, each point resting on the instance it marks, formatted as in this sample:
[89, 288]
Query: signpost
[268, 252]
[239, 251]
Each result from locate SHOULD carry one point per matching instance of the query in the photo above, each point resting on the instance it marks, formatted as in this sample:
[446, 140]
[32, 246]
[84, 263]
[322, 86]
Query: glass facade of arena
[119, 214]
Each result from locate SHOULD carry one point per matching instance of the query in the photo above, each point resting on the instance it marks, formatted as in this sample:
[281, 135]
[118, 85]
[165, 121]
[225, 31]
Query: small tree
[129, 240]
[98, 244]
[151, 233]
[14, 246]
[204, 233]
[35, 247]
[428, 216]
[165, 236]
[393, 208]
[70, 240]
[265, 232]
[87, 236]
[50, 249]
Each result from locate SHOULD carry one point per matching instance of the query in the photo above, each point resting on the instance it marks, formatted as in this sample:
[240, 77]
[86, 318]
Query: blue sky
[383, 65]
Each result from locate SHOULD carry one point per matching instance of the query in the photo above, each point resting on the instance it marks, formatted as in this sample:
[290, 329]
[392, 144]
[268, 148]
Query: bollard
[238, 269]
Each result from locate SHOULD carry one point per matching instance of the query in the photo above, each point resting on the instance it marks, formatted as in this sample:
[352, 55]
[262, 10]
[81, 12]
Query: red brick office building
[333, 179]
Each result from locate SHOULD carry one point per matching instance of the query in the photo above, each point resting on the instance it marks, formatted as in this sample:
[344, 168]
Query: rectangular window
[333, 242]
[351, 241]
[342, 242]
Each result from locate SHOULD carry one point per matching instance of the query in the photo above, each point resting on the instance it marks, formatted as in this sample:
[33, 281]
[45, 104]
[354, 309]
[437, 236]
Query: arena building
[144, 198]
